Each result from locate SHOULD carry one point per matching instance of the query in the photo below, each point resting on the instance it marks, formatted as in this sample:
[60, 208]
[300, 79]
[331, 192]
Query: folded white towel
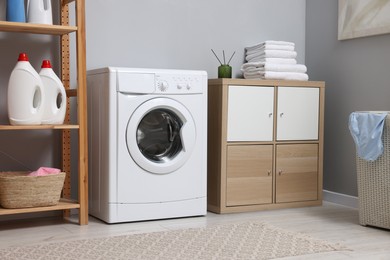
[280, 67]
[270, 47]
[271, 54]
[276, 75]
[269, 60]
[271, 43]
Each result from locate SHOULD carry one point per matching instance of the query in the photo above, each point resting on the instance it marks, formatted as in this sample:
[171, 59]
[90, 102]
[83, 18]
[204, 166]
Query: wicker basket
[374, 186]
[18, 190]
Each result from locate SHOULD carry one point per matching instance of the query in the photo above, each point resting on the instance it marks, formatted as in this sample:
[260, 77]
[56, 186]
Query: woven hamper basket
[18, 190]
[374, 185]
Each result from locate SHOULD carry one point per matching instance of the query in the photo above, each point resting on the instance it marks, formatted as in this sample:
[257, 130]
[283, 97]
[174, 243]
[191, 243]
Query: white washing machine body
[147, 143]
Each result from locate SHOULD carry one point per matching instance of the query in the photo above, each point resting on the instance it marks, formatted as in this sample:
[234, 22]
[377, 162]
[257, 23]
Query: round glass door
[160, 135]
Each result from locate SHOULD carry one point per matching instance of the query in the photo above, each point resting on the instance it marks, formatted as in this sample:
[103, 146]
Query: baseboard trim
[342, 199]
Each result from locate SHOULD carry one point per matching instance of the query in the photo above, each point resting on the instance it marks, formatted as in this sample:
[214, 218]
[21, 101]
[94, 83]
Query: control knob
[163, 86]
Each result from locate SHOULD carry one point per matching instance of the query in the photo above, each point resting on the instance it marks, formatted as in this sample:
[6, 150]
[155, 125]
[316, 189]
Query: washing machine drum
[161, 135]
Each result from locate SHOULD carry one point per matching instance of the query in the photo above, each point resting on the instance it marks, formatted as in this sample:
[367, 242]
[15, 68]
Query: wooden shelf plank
[37, 127]
[63, 204]
[36, 28]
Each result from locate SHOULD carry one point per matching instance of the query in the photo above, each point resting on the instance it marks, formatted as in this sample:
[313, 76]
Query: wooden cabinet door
[249, 175]
[296, 172]
[250, 113]
[297, 113]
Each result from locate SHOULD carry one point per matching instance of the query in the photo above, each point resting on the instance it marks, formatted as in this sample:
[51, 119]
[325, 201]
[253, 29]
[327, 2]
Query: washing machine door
[160, 135]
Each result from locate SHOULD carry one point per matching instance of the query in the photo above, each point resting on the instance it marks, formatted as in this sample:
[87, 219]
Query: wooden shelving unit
[63, 30]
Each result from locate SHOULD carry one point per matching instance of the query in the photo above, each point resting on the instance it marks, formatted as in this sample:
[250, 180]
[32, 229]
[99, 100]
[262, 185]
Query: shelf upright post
[65, 76]
[82, 108]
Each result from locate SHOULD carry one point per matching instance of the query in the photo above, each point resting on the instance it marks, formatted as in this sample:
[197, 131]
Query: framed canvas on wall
[360, 18]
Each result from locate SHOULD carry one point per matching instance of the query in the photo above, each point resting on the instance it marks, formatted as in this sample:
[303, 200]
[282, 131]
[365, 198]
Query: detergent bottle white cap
[25, 95]
[55, 103]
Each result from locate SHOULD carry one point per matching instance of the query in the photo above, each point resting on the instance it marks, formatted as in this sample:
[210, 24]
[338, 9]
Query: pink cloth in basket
[42, 171]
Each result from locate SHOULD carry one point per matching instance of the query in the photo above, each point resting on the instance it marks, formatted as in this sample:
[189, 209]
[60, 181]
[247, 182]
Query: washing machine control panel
[180, 84]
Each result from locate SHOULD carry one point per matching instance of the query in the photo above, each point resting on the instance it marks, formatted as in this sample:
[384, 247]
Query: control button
[188, 86]
[163, 86]
[180, 86]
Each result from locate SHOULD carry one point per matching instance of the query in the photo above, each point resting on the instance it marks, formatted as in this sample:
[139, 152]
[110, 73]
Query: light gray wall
[357, 76]
[179, 34]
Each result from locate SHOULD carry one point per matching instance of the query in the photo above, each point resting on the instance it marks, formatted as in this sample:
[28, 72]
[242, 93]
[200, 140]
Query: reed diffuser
[224, 70]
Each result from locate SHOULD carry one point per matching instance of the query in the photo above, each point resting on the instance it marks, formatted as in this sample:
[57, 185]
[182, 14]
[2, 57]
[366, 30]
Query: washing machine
[147, 143]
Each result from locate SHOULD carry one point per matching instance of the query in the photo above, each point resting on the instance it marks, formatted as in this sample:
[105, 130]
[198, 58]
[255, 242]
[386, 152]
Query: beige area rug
[248, 240]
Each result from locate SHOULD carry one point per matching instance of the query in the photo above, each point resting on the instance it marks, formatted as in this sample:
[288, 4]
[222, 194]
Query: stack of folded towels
[273, 60]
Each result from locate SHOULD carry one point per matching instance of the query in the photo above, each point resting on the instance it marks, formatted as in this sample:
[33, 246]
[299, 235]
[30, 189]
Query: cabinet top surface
[255, 82]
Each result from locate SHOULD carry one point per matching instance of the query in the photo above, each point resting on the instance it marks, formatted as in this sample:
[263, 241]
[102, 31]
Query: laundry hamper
[374, 185]
[18, 190]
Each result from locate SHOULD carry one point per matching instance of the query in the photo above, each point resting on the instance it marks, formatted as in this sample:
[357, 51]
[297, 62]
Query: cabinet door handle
[281, 114]
[269, 173]
[270, 115]
[280, 172]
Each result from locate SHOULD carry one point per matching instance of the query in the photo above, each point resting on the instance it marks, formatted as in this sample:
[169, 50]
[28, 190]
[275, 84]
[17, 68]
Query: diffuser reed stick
[231, 57]
[216, 56]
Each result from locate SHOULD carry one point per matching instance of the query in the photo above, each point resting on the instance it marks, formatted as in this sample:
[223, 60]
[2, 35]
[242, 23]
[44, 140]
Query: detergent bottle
[15, 11]
[39, 11]
[55, 97]
[25, 94]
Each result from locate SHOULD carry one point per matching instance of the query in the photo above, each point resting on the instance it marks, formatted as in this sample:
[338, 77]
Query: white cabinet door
[297, 113]
[250, 113]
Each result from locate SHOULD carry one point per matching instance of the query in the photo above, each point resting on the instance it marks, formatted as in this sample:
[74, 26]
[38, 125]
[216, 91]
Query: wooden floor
[330, 222]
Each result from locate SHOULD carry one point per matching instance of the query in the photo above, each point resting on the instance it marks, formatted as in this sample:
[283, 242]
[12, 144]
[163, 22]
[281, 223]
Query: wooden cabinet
[265, 142]
[63, 30]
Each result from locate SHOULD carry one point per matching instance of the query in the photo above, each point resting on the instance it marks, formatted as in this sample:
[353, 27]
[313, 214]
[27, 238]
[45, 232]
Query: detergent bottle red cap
[23, 57]
[46, 64]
